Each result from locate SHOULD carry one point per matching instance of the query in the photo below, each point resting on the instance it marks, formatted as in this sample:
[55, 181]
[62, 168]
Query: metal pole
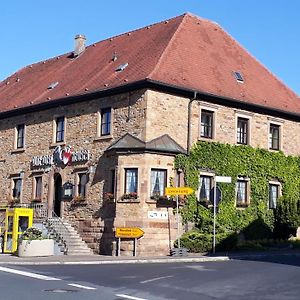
[177, 213]
[215, 210]
[134, 253]
[119, 246]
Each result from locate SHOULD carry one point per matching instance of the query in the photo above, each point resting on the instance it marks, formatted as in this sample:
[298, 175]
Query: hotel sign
[48, 160]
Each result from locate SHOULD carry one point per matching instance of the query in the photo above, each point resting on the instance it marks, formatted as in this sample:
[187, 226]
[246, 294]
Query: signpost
[178, 191]
[175, 191]
[223, 179]
[128, 233]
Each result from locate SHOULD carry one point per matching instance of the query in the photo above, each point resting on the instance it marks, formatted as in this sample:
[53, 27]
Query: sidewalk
[7, 259]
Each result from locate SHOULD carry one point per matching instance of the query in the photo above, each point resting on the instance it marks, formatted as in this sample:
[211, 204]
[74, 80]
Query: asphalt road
[270, 278]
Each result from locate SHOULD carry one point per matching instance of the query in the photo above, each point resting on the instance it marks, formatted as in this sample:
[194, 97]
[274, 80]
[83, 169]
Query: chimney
[79, 44]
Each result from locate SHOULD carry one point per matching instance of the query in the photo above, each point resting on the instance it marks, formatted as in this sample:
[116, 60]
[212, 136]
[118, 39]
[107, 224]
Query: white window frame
[125, 180]
[279, 194]
[204, 110]
[245, 203]
[206, 174]
[248, 117]
[99, 123]
[16, 136]
[13, 178]
[280, 125]
[54, 130]
[165, 170]
[77, 182]
[34, 186]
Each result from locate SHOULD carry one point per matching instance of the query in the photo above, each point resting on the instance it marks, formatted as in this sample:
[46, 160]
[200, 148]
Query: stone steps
[68, 236]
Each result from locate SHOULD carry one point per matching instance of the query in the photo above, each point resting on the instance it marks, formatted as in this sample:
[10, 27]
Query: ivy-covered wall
[260, 166]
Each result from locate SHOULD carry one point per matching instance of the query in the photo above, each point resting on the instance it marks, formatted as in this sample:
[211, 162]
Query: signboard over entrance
[48, 160]
[129, 232]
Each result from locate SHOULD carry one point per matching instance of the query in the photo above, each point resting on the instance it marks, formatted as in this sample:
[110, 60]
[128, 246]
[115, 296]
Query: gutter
[189, 133]
[155, 85]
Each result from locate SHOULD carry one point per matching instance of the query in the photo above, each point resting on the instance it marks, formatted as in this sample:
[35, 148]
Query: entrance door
[57, 194]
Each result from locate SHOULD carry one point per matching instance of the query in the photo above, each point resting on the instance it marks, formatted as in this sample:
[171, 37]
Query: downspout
[190, 123]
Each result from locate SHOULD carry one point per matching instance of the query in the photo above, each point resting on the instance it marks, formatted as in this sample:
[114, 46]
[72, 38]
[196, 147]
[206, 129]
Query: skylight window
[121, 67]
[238, 76]
[52, 85]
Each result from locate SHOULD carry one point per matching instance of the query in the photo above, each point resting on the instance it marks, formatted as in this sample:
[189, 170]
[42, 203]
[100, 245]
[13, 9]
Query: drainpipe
[190, 123]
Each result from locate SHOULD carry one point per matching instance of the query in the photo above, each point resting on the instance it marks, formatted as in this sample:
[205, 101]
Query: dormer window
[238, 76]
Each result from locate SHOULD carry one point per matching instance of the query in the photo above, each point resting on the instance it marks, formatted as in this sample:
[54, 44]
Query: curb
[124, 261]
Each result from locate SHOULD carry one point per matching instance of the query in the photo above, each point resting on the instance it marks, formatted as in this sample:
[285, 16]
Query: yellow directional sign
[129, 232]
[178, 190]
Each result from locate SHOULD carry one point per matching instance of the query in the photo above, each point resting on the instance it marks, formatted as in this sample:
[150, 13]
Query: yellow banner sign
[129, 232]
[178, 191]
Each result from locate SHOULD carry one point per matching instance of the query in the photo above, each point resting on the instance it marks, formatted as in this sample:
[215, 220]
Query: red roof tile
[185, 51]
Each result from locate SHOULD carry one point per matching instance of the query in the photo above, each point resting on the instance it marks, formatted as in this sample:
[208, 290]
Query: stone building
[110, 117]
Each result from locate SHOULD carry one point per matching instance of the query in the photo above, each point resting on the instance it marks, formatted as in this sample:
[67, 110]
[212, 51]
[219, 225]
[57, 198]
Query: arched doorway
[57, 194]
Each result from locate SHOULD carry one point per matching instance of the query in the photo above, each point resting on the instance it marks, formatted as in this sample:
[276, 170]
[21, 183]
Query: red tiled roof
[185, 51]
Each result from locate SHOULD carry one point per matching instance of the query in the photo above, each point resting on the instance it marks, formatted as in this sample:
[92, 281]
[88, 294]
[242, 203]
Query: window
[206, 124]
[112, 180]
[205, 188]
[105, 125]
[16, 188]
[242, 131]
[60, 129]
[242, 194]
[274, 193]
[38, 187]
[274, 137]
[131, 180]
[20, 142]
[238, 76]
[158, 182]
[82, 179]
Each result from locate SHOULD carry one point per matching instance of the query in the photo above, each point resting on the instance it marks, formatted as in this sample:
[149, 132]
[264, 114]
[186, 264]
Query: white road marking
[129, 297]
[81, 286]
[27, 274]
[154, 279]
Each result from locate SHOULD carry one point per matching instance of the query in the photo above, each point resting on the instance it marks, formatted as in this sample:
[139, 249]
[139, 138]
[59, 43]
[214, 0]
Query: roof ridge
[135, 30]
[184, 16]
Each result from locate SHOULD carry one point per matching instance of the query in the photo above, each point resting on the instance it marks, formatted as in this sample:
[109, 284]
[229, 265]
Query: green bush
[32, 233]
[287, 218]
[198, 242]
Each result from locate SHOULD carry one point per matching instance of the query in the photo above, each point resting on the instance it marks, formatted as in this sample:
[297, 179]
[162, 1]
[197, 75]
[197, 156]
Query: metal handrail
[59, 227]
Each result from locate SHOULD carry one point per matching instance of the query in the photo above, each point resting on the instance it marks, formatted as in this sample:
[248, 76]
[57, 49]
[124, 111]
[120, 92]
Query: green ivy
[260, 166]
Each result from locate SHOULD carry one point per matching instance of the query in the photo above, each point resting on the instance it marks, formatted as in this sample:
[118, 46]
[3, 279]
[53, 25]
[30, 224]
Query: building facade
[110, 118]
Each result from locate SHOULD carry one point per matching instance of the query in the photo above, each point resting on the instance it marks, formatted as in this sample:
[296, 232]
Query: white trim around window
[16, 188]
[205, 190]
[81, 183]
[207, 126]
[59, 134]
[271, 143]
[19, 137]
[104, 129]
[248, 118]
[242, 192]
[274, 193]
[37, 187]
[158, 181]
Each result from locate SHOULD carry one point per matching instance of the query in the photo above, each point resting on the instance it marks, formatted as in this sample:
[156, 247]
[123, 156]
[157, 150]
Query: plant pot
[33, 248]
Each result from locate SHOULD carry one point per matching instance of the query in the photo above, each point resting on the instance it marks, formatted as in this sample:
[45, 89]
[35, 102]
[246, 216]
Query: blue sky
[34, 30]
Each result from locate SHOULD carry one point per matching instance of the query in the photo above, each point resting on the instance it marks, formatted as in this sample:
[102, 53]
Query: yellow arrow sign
[129, 232]
[178, 190]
